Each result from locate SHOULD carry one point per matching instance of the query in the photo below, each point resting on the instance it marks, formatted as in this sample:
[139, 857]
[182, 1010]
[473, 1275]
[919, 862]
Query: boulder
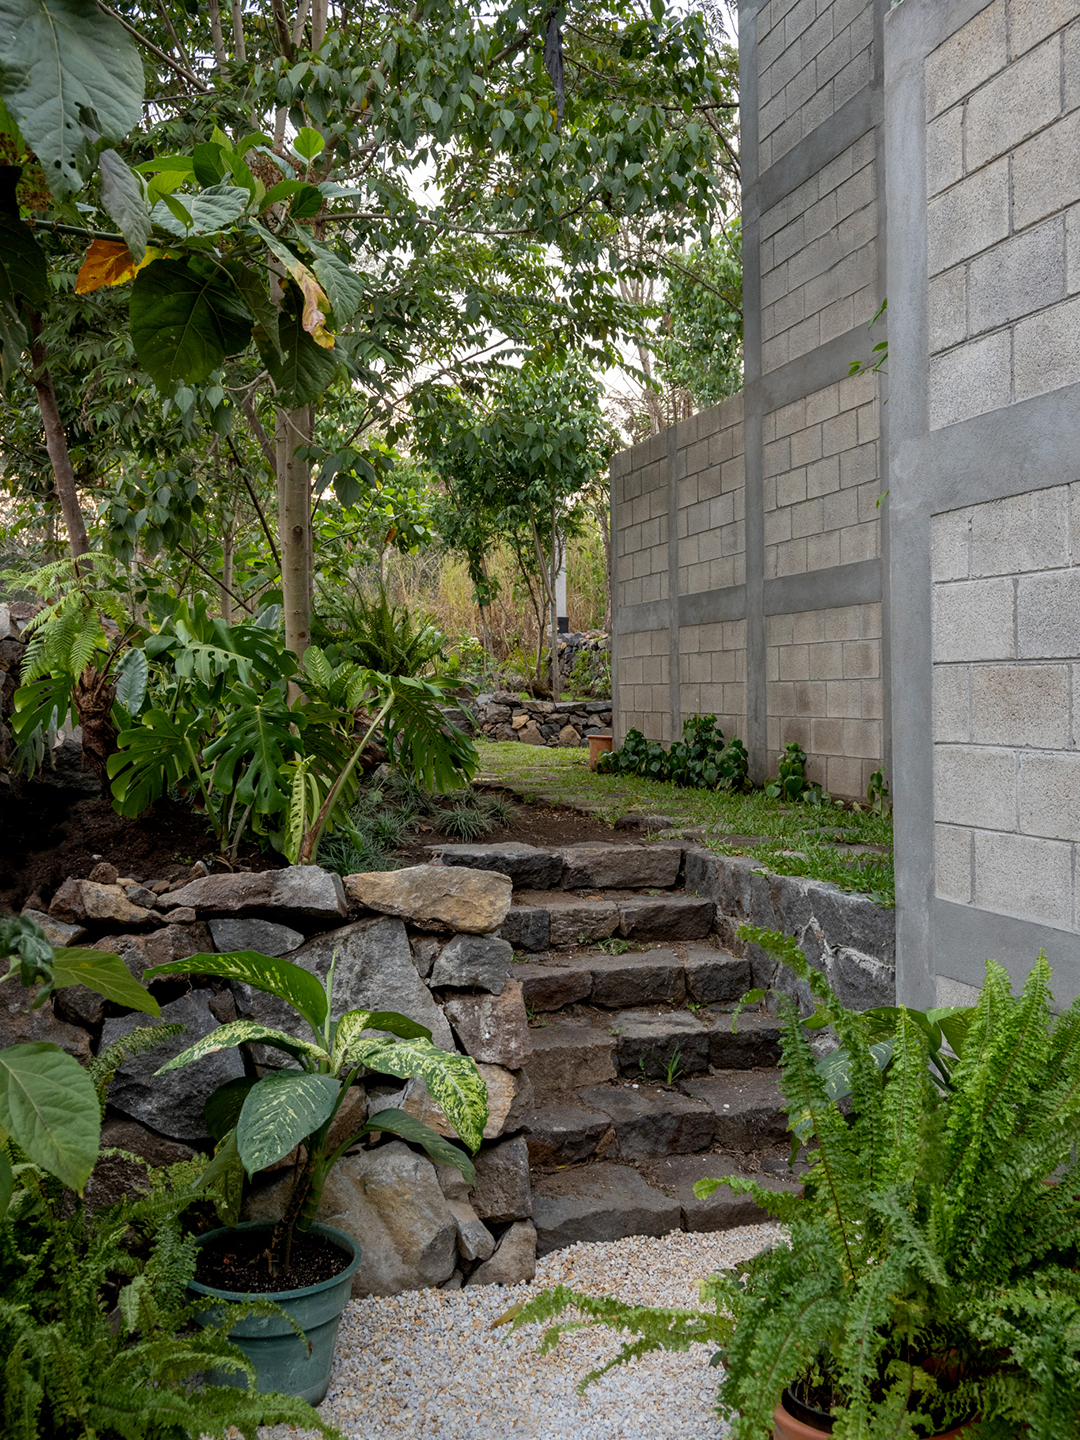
[492, 1028]
[265, 936]
[502, 1191]
[182, 915]
[528, 866]
[514, 1262]
[374, 971]
[474, 1240]
[474, 962]
[58, 932]
[531, 734]
[569, 736]
[172, 1104]
[156, 1150]
[159, 947]
[473, 902]
[389, 1199]
[85, 901]
[19, 1025]
[80, 1005]
[303, 892]
[105, 873]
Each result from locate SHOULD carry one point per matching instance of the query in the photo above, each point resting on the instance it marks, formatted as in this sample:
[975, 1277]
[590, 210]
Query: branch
[259, 433]
[255, 502]
[215, 578]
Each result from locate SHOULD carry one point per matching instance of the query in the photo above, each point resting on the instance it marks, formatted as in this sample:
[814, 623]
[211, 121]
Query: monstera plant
[260, 1121]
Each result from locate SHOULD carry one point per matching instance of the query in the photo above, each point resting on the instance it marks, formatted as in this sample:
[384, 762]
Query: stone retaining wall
[503, 715]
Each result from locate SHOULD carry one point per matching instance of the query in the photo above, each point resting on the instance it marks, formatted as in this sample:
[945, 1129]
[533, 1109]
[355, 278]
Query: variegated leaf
[289, 982]
[354, 1022]
[399, 1122]
[280, 1111]
[237, 1032]
[453, 1081]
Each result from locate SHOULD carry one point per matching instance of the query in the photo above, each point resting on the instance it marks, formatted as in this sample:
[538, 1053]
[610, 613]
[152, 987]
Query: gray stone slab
[647, 1043]
[753, 1045]
[642, 979]
[748, 1104]
[677, 1174]
[619, 867]
[549, 987]
[527, 927]
[566, 1058]
[301, 891]
[673, 917]
[564, 1134]
[650, 1121]
[714, 977]
[599, 1202]
[265, 936]
[474, 962]
[502, 1192]
[572, 920]
[528, 866]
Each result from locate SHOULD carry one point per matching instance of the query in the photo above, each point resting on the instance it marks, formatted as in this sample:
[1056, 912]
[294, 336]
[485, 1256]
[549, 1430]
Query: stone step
[597, 865]
[649, 1044]
[566, 1059]
[748, 1105]
[705, 976]
[580, 920]
[649, 1121]
[676, 1175]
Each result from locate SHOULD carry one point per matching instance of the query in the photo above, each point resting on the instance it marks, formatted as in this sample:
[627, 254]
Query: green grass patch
[788, 839]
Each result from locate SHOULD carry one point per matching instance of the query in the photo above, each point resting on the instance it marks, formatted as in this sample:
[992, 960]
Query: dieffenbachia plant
[262, 1120]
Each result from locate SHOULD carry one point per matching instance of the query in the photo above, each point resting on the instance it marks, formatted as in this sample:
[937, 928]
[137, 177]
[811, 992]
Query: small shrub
[791, 782]
[703, 759]
[590, 675]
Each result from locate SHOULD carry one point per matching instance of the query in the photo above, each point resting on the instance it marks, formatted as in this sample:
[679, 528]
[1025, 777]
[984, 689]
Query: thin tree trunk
[319, 9]
[227, 552]
[213, 10]
[294, 523]
[56, 444]
[556, 675]
[239, 45]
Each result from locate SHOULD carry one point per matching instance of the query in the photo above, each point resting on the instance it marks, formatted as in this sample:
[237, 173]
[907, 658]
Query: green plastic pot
[283, 1362]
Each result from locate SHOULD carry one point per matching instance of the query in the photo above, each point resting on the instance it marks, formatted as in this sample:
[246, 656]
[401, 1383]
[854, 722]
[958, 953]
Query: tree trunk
[213, 8]
[604, 516]
[239, 46]
[56, 444]
[556, 669]
[227, 552]
[294, 522]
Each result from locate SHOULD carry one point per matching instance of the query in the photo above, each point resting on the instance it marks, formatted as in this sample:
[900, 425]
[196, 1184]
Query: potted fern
[306, 1267]
[927, 1283]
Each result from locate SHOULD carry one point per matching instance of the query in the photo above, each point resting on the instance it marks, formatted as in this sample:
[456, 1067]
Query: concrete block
[950, 545]
[1016, 103]
[953, 851]
[1048, 615]
[947, 309]
[966, 59]
[975, 786]
[1019, 276]
[1046, 172]
[1028, 24]
[970, 217]
[952, 704]
[973, 620]
[975, 378]
[1049, 795]
[1021, 533]
[944, 150]
[1022, 705]
[1032, 879]
[1046, 350]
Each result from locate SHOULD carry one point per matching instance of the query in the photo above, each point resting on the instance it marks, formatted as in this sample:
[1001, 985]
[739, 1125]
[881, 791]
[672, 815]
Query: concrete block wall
[982, 121]
[1003, 218]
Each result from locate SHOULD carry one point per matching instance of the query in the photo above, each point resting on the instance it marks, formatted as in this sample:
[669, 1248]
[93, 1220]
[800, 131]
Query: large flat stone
[550, 987]
[723, 1209]
[301, 891]
[172, 1104]
[573, 920]
[564, 1134]
[648, 1043]
[754, 1045]
[85, 902]
[666, 917]
[474, 962]
[619, 867]
[749, 1107]
[527, 927]
[714, 977]
[598, 1202]
[58, 932]
[19, 1025]
[502, 1192]
[650, 1122]
[436, 897]
[492, 1028]
[374, 971]
[567, 1057]
[643, 979]
[528, 866]
[266, 936]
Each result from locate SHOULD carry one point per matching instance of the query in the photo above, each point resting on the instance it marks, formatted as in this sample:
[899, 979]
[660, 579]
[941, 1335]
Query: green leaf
[153, 754]
[250, 283]
[223, 1180]
[105, 974]
[240, 1032]
[303, 370]
[289, 982]
[222, 1109]
[7, 1182]
[280, 1111]
[453, 1081]
[63, 63]
[308, 143]
[131, 676]
[49, 1107]
[306, 204]
[206, 213]
[398, 1122]
[186, 317]
[122, 197]
[354, 1022]
[344, 287]
[23, 269]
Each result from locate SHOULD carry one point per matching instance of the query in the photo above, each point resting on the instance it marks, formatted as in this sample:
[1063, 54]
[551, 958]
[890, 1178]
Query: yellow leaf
[108, 262]
[316, 305]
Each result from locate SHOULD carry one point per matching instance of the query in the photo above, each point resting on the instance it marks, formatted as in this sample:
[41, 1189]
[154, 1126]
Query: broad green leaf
[131, 677]
[222, 1110]
[105, 974]
[240, 1032]
[453, 1081]
[353, 1023]
[122, 196]
[289, 982]
[280, 1111]
[344, 287]
[306, 203]
[155, 753]
[308, 143]
[441, 1150]
[49, 1107]
[63, 63]
[7, 1182]
[186, 317]
[303, 370]
[23, 269]
[251, 285]
[223, 1180]
[206, 213]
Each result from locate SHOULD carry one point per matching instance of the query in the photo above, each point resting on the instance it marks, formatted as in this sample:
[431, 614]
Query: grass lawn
[789, 839]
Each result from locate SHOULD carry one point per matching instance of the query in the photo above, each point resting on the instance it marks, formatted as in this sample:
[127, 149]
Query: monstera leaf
[67, 69]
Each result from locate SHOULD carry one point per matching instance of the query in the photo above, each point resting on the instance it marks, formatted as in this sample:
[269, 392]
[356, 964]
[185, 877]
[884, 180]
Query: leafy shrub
[703, 759]
[379, 635]
[590, 674]
[791, 783]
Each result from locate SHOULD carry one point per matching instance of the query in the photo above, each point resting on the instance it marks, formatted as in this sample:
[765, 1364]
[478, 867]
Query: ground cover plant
[788, 839]
[928, 1275]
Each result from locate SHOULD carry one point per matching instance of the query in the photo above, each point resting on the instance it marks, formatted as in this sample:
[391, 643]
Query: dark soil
[239, 1262]
[45, 837]
[538, 824]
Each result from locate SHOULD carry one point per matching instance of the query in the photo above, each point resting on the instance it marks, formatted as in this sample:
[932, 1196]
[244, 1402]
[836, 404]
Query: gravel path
[427, 1364]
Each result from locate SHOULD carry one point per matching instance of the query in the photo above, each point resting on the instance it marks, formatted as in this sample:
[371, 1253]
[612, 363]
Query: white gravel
[428, 1364]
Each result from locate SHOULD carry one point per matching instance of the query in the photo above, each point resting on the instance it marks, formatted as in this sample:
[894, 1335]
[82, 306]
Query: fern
[107, 1062]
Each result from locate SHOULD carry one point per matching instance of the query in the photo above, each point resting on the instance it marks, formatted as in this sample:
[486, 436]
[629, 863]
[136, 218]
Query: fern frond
[106, 1063]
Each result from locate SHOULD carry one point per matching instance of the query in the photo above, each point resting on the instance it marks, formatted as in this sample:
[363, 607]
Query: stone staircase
[639, 1085]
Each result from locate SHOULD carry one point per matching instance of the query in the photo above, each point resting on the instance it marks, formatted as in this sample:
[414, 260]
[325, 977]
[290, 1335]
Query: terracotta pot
[597, 745]
[786, 1427]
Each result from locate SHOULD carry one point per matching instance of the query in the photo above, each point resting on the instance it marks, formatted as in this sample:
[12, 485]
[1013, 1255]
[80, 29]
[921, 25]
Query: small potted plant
[305, 1267]
[927, 1285]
